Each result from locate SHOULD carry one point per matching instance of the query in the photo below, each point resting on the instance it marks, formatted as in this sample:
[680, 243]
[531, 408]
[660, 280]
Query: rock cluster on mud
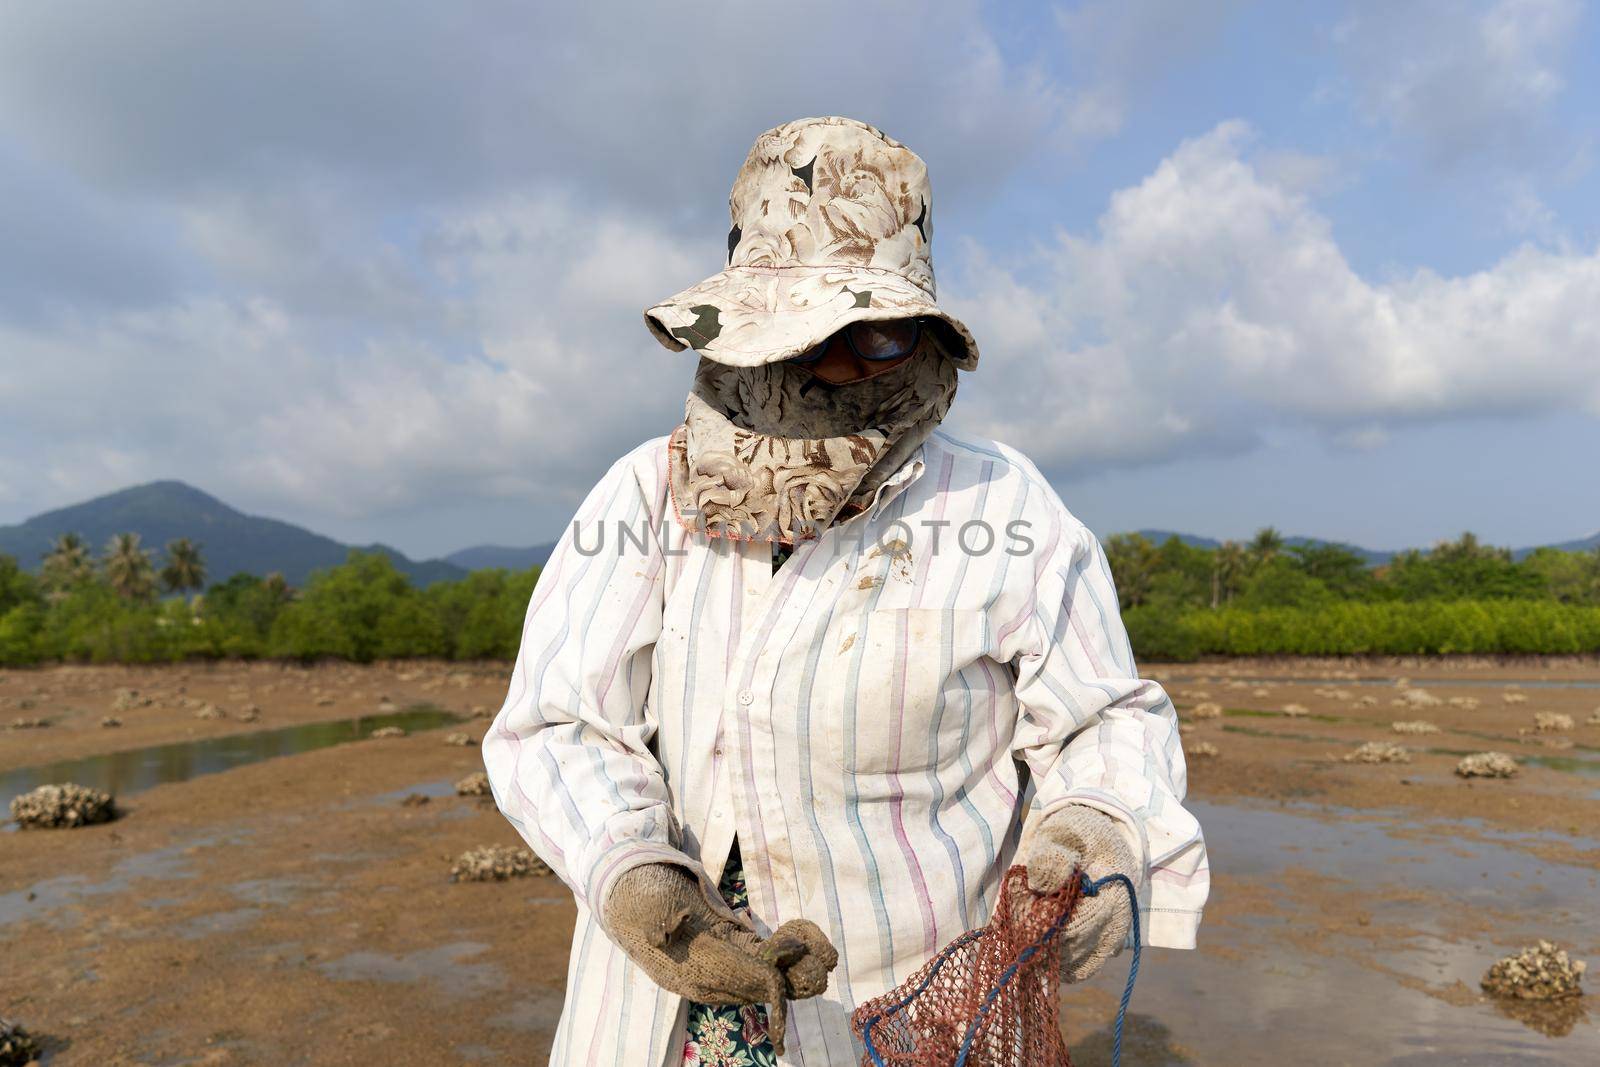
[17, 1046]
[110, 722]
[210, 711]
[1203, 750]
[1379, 752]
[1487, 765]
[1417, 698]
[1414, 726]
[475, 784]
[28, 724]
[1539, 972]
[463, 740]
[496, 863]
[1548, 721]
[129, 699]
[62, 806]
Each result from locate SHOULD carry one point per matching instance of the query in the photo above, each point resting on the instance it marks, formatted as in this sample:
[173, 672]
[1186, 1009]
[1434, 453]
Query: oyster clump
[1379, 752]
[475, 784]
[1487, 765]
[62, 806]
[1538, 972]
[496, 863]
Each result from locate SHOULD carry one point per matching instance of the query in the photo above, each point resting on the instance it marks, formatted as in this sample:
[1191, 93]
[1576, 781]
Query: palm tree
[67, 564]
[185, 569]
[1266, 544]
[127, 567]
[1468, 547]
[1227, 571]
[278, 586]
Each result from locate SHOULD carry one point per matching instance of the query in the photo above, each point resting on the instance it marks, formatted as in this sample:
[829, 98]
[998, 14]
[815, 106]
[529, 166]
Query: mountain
[1583, 544]
[230, 541]
[1161, 537]
[482, 557]
[1372, 556]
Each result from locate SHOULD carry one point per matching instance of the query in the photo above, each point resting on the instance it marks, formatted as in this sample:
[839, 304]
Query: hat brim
[749, 316]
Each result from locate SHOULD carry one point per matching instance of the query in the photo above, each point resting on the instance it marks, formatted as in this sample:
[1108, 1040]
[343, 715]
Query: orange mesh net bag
[990, 998]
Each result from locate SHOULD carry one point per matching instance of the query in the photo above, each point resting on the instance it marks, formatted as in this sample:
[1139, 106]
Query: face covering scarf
[770, 453]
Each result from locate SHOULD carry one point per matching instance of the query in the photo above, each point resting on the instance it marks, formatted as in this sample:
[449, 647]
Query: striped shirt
[871, 720]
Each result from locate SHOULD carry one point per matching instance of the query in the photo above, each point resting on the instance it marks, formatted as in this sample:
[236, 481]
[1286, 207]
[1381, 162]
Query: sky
[379, 268]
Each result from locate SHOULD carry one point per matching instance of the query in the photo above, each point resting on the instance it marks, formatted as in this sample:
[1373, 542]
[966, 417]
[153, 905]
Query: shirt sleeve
[568, 756]
[1092, 732]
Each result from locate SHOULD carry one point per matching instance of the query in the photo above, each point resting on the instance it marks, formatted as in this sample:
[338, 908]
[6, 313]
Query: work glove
[657, 914]
[1080, 837]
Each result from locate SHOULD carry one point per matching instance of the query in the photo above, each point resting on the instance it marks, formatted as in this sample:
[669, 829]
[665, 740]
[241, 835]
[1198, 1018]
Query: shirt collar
[894, 485]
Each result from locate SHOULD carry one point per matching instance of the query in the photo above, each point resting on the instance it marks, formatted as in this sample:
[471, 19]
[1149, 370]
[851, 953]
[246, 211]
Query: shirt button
[746, 697]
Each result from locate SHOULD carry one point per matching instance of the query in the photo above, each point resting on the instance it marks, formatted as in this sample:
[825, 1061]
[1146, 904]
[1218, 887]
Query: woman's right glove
[657, 914]
[1073, 838]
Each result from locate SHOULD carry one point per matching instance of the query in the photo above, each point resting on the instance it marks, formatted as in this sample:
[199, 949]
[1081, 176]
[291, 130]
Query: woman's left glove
[658, 915]
[1068, 839]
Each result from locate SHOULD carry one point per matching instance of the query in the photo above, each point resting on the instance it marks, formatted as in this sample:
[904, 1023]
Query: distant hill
[230, 541]
[1583, 544]
[1372, 556]
[482, 557]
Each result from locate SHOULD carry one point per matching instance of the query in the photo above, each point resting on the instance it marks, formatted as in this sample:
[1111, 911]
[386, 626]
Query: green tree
[363, 609]
[1459, 570]
[1282, 583]
[482, 613]
[1230, 564]
[242, 611]
[1570, 577]
[67, 564]
[1182, 575]
[1343, 572]
[17, 586]
[1132, 559]
[127, 568]
[185, 569]
[1265, 545]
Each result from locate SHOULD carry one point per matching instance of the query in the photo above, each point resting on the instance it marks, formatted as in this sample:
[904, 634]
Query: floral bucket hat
[832, 222]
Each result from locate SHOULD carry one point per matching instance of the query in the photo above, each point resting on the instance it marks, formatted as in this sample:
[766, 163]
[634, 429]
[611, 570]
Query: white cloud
[1463, 81]
[1211, 303]
[555, 375]
[358, 267]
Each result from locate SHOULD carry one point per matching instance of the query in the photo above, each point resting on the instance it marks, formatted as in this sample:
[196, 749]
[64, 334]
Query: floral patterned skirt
[733, 1035]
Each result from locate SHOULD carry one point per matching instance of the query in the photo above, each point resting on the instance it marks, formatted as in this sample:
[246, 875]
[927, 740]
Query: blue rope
[1090, 889]
[1093, 889]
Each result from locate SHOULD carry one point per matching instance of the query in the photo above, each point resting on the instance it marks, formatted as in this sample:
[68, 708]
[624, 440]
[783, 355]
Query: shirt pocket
[903, 688]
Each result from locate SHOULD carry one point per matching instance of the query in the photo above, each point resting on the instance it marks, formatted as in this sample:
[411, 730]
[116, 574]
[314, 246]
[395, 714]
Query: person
[805, 677]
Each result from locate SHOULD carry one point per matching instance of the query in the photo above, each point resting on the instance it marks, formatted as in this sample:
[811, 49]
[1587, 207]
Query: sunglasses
[874, 342]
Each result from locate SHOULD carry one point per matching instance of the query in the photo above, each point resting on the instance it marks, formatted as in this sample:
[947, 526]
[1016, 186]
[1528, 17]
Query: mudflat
[281, 894]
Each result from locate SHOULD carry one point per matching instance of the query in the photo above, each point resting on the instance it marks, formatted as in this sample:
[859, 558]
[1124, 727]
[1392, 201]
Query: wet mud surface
[297, 908]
